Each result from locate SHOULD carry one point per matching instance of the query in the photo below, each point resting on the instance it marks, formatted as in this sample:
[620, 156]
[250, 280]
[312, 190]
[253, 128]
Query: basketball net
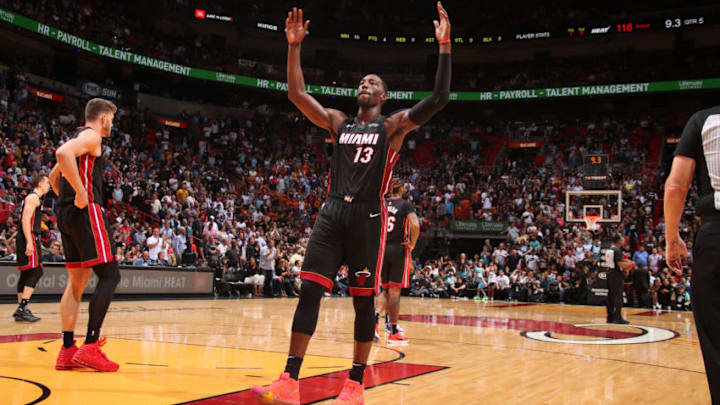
[591, 222]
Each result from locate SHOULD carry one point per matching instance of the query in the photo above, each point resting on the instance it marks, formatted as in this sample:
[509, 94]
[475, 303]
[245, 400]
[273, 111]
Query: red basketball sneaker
[351, 394]
[283, 391]
[397, 339]
[64, 360]
[90, 355]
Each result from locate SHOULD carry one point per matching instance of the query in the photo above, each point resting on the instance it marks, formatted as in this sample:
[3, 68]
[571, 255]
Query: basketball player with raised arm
[351, 226]
[84, 228]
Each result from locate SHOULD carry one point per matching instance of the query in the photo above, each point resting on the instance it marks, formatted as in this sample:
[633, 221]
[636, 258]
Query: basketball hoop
[591, 222]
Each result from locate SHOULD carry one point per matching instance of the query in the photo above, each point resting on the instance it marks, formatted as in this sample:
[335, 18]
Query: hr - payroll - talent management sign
[158, 64]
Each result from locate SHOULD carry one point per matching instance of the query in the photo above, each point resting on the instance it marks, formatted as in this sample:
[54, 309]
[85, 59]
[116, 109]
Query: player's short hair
[617, 238]
[38, 179]
[97, 107]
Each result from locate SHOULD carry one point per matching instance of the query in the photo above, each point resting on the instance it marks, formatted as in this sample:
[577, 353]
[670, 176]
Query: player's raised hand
[442, 27]
[295, 29]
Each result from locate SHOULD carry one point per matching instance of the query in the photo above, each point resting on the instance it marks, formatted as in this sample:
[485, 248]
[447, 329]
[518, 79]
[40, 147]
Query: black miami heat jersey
[86, 234]
[36, 221]
[90, 169]
[398, 223]
[362, 161]
[24, 262]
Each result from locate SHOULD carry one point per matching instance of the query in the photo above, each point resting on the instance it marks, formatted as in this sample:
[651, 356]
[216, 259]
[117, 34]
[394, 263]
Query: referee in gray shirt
[611, 259]
[698, 154]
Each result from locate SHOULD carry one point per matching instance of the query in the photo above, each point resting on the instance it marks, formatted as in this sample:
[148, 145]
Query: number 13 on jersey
[364, 154]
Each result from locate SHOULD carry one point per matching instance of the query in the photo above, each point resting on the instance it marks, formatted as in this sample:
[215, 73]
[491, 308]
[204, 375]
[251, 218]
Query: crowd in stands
[216, 207]
[544, 258]
[540, 272]
[244, 202]
[119, 27]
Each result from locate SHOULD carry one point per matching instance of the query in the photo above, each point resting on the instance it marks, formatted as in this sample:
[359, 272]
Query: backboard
[607, 204]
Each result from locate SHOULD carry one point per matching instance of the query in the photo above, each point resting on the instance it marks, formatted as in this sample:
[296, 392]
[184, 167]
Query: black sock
[293, 366]
[93, 334]
[23, 303]
[387, 319]
[357, 372]
[394, 328]
[68, 339]
[377, 317]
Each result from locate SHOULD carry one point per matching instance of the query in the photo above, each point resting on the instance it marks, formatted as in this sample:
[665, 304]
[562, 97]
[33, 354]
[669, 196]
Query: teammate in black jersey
[28, 254]
[350, 228]
[403, 232]
[86, 236]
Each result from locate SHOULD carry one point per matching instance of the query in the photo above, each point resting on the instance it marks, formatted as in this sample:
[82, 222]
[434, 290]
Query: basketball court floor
[461, 352]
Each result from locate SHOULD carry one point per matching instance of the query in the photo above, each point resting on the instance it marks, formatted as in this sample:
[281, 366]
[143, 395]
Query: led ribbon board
[203, 74]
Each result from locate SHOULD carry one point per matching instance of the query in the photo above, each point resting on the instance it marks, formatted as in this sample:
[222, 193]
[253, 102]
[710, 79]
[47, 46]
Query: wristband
[445, 42]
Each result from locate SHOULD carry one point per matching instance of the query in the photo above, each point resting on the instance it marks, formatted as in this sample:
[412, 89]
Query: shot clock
[596, 171]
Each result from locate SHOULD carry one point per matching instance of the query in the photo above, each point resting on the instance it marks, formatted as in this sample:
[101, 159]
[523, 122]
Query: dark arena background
[557, 139]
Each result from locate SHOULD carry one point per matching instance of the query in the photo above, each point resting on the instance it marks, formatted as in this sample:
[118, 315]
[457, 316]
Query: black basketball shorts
[86, 236]
[348, 233]
[24, 262]
[397, 266]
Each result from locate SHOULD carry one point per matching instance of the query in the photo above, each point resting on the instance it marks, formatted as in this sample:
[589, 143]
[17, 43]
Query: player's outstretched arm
[435, 102]
[86, 142]
[327, 118]
[407, 120]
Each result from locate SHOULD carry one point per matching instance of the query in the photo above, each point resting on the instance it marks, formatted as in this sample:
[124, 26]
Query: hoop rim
[591, 221]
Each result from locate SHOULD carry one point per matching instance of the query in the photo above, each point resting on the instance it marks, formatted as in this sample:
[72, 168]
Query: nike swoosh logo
[374, 215]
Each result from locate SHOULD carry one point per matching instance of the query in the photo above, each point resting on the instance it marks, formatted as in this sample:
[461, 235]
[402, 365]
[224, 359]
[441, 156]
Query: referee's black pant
[705, 299]
[615, 283]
